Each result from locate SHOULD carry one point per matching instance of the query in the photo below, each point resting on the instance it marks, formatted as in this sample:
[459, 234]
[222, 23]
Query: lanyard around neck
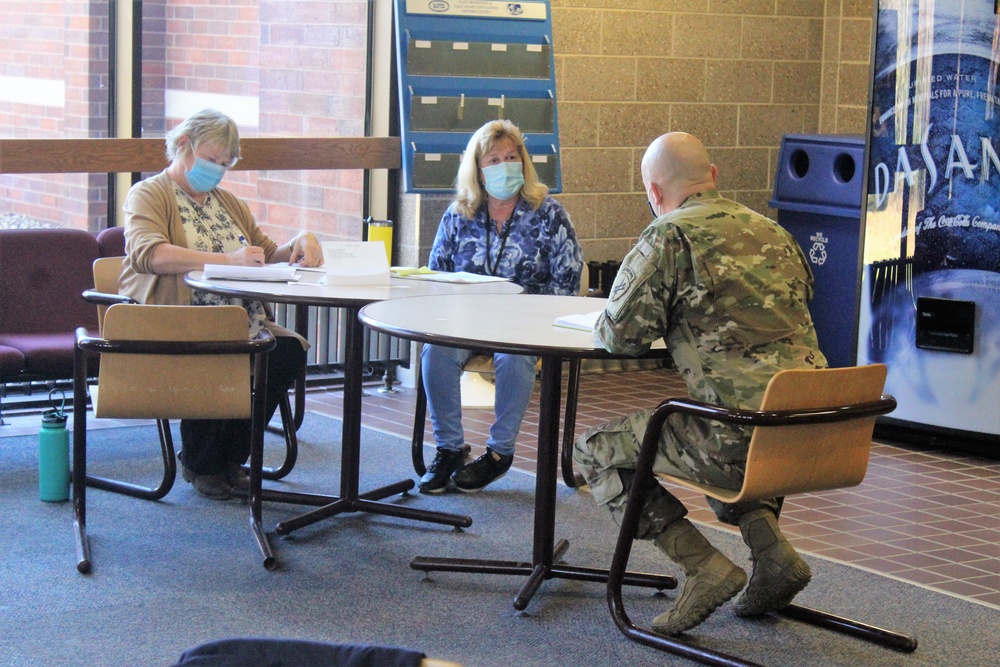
[492, 268]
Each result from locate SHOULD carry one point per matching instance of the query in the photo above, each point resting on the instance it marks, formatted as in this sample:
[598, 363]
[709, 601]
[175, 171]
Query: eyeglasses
[228, 164]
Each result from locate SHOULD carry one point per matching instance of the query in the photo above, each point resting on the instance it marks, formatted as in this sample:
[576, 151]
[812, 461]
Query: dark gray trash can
[817, 192]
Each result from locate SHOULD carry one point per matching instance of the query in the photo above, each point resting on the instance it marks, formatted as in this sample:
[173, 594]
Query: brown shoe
[216, 487]
[238, 478]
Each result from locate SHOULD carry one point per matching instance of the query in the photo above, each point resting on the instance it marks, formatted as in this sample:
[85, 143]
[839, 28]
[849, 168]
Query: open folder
[460, 277]
[355, 263]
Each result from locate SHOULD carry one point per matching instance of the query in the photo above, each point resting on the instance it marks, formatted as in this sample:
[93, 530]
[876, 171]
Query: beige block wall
[737, 73]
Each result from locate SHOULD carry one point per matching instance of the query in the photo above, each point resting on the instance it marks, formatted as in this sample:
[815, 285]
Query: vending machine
[930, 284]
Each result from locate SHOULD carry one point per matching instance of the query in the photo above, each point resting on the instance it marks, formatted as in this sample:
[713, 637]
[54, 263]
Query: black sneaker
[483, 471]
[439, 472]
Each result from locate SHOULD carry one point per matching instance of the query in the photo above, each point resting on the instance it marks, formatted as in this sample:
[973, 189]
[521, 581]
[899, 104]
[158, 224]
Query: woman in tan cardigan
[179, 221]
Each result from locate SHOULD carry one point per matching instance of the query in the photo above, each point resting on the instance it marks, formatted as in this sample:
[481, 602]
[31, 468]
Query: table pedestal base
[537, 573]
[328, 506]
[546, 551]
[350, 500]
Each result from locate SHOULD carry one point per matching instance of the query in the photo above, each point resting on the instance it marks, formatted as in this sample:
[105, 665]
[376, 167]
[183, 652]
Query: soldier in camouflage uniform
[727, 289]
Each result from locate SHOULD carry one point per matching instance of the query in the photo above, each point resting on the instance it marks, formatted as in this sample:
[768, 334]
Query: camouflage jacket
[727, 289]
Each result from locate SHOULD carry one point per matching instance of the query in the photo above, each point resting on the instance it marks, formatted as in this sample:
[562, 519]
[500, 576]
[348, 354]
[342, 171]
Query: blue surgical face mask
[503, 180]
[204, 175]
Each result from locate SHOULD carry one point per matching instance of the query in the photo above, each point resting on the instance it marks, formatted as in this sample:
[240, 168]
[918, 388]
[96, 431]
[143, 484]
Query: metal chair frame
[786, 418]
[89, 346]
[106, 273]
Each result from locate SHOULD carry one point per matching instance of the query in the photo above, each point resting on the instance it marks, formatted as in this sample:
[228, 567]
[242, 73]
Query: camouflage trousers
[689, 448]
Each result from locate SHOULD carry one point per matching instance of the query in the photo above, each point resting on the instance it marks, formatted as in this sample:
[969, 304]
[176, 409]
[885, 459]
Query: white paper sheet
[456, 277]
[581, 322]
[355, 263]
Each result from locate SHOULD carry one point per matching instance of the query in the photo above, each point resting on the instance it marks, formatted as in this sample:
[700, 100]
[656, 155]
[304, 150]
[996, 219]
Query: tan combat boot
[779, 573]
[711, 578]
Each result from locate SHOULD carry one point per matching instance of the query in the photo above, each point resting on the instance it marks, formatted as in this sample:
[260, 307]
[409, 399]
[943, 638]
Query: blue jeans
[441, 369]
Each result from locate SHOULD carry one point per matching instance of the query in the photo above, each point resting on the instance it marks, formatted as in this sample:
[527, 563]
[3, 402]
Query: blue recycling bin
[817, 193]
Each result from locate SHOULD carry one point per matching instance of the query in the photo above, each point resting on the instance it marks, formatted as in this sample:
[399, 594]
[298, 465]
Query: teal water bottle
[53, 454]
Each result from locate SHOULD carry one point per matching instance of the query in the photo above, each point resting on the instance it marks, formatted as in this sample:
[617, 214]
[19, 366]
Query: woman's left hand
[306, 250]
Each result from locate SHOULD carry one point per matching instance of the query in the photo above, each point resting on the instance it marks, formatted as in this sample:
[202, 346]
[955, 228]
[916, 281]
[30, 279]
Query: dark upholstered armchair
[42, 273]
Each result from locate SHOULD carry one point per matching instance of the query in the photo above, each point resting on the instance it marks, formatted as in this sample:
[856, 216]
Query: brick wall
[312, 73]
[299, 64]
[846, 66]
[55, 54]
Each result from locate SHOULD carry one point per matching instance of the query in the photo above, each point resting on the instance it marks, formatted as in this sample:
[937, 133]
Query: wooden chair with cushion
[483, 364]
[107, 273]
[170, 362]
[812, 433]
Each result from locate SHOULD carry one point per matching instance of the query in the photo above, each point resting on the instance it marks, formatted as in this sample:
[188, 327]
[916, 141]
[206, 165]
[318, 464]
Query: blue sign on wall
[462, 63]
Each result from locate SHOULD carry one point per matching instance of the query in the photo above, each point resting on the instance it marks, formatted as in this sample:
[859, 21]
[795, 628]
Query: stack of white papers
[282, 274]
[584, 322]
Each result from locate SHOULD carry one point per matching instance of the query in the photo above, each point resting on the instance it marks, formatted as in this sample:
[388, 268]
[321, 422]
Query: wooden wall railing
[61, 156]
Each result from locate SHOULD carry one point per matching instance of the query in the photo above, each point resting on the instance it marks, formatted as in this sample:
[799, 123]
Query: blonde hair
[207, 126]
[469, 192]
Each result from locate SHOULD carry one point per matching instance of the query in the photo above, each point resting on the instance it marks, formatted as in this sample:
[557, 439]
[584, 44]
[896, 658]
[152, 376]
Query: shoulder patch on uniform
[631, 277]
[623, 283]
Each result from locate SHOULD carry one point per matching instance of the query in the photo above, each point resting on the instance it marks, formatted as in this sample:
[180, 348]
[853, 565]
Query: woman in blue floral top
[502, 223]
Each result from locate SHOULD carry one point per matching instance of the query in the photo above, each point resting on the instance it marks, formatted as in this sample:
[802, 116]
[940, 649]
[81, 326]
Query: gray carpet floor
[172, 574]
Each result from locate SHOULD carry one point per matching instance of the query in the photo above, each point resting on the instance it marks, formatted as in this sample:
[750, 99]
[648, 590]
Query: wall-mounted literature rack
[462, 63]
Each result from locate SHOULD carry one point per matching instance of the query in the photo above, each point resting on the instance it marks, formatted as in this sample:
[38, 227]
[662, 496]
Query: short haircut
[207, 126]
[469, 192]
